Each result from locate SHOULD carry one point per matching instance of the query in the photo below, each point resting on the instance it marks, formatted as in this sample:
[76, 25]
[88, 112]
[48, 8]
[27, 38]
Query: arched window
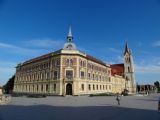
[128, 69]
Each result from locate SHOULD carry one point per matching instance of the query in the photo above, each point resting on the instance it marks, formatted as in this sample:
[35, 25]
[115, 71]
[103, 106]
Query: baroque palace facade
[69, 71]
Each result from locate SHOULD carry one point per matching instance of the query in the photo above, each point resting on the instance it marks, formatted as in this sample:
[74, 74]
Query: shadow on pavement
[44, 112]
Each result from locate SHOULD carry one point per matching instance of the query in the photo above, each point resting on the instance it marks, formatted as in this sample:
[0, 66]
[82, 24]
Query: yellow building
[67, 71]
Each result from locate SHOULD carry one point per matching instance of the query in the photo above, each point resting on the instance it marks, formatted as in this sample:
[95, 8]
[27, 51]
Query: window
[81, 63]
[89, 76]
[89, 87]
[54, 87]
[128, 69]
[47, 88]
[97, 87]
[55, 74]
[82, 74]
[67, 61]
[47, 75]
[100, 87]
[71, 62]
[93, 76]
[69, 74]
[82, 87]
[93, 87]
[37, 87]
[41, 87]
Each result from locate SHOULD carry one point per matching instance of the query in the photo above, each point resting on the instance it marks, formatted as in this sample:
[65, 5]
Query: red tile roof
[95, 59]
[41, 57]
[117, 69]
[58, 51]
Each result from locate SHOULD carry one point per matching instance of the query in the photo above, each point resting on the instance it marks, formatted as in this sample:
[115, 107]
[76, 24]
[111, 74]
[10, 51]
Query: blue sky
[29, 28]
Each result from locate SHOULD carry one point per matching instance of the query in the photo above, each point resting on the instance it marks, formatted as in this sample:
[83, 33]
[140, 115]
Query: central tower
[69, 45]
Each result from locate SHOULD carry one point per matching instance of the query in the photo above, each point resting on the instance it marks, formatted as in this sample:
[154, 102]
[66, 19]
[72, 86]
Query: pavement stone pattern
[81, 108]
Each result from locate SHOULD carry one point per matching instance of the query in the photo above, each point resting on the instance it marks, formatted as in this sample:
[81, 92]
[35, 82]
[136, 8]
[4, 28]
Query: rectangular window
[82, 75]
[69, 74]
[55, 75]
[54, 87]
[93, 87]
[89, 76]
[89, 87]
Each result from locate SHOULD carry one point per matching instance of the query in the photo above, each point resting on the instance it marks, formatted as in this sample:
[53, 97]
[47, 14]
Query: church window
[128, 69]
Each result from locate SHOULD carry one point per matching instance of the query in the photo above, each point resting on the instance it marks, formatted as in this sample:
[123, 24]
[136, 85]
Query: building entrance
[69, 89]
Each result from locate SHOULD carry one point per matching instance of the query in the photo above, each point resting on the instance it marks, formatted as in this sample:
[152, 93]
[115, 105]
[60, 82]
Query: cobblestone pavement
[81, 108]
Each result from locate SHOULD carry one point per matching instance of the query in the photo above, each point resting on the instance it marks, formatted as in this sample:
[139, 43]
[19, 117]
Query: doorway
[69, 89]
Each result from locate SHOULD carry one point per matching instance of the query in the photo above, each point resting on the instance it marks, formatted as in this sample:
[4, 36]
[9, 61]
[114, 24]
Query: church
[69, 71]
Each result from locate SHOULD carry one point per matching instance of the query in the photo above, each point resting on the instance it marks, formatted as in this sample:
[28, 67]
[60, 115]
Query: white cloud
[114, 50]
[9, 48]
[157, 44]
[46, 43]
[147, 69]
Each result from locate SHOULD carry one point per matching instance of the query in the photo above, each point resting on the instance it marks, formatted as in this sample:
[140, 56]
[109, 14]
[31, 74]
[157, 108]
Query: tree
[8, 87]
[156, 84]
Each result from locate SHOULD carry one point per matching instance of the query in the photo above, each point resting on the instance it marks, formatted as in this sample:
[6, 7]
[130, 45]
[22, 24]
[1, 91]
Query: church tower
[129, 70]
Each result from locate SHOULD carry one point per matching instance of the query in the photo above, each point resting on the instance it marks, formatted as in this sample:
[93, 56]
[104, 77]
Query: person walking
[118, 99]
[159, 104]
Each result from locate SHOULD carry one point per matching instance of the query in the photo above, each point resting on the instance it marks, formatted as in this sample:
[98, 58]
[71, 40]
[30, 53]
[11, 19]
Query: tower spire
[70, 32]
[126, 48]
[70, 37]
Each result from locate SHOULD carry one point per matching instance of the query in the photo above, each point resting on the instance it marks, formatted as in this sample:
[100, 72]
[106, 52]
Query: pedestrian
[159, 104]
[118, 99]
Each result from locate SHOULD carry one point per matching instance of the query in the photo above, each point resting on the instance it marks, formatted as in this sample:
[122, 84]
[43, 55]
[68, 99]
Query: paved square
[81, 108]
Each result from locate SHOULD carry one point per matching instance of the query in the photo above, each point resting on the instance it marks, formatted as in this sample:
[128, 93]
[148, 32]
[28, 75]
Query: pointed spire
[126, 46]
[70, 37]
[70, 32]
[127, 50]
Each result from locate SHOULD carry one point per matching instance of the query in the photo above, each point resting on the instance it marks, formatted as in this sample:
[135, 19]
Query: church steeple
[127, 50]
[70, 37]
